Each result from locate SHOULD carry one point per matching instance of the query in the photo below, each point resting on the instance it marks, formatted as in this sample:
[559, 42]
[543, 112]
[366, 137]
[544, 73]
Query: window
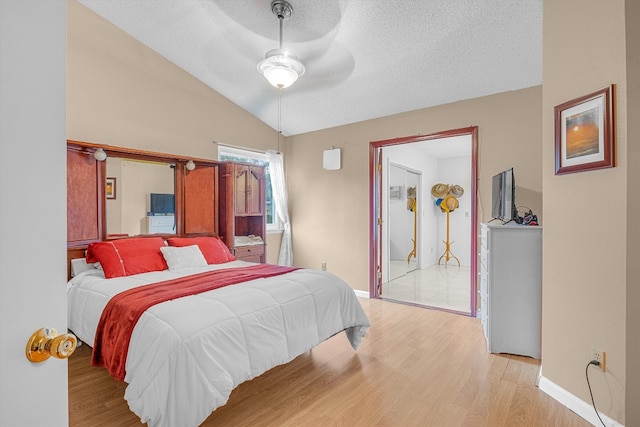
[247, 156]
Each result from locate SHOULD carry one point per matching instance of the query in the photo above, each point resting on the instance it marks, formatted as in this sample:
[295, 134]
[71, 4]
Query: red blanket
[122, 312]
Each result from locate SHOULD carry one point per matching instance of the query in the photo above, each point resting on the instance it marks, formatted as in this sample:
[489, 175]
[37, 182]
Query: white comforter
[187, 355]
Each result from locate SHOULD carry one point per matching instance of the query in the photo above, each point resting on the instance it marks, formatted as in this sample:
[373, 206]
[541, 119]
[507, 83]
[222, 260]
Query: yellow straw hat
[450, 202]
[439, 190]
[456, 190]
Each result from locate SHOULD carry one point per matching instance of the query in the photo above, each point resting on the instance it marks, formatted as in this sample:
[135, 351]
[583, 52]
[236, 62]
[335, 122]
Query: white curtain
[279, 188]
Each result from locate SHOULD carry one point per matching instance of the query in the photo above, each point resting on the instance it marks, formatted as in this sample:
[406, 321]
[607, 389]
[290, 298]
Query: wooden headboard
[196, 195]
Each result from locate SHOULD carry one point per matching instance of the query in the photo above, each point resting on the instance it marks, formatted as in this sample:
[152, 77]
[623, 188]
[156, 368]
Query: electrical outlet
[601, 357]
[324, 266]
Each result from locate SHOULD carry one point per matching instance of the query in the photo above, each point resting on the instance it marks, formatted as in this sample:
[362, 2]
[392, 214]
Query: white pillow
[78, 265]
[179, 257]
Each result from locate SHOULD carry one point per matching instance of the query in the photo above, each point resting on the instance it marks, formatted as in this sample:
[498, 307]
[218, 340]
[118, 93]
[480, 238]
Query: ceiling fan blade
[251, 29]
[334, 66]
[310, 20]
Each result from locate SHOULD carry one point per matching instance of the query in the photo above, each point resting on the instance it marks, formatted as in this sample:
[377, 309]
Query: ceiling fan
[281, 66]
[325, 61]
[244, 32]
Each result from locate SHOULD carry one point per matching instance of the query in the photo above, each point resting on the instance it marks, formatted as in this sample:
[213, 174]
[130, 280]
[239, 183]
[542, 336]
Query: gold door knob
[46, 342]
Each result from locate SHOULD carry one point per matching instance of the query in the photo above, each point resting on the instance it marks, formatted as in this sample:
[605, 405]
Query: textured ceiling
[364, 58]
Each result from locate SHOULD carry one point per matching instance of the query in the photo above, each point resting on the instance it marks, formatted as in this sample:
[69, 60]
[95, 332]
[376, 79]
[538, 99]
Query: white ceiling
[364, 58]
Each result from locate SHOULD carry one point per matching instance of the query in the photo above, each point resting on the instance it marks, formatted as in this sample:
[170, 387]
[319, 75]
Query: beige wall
[330, 209]
[632, 409]
[585, 216]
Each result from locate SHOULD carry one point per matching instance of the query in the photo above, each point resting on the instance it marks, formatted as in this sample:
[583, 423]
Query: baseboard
[361, 294]
[583, 409]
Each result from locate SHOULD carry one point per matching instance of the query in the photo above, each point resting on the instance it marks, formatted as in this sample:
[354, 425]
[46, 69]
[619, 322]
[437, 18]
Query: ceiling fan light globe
[280, 77]
[281, 68]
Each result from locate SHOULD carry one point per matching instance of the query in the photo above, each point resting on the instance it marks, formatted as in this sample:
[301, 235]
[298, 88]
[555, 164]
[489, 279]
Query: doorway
[425, 256]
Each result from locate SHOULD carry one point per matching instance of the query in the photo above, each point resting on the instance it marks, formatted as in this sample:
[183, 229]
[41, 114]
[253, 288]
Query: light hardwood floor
[415, 367]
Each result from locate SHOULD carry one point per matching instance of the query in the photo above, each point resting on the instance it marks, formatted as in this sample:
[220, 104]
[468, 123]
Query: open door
[375, 212]
[402, 222]
[33, 210]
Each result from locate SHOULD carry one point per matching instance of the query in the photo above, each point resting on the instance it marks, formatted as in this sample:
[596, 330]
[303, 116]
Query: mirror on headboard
[111, 191]
[142, 200]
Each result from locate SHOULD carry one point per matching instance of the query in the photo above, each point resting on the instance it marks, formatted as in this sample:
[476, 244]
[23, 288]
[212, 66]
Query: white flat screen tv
[503, 189]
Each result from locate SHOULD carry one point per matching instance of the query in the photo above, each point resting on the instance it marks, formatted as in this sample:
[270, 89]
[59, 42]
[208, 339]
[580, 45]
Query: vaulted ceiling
[364, 59]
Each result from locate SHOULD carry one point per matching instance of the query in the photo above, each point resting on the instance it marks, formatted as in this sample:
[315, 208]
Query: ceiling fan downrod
[283, 10]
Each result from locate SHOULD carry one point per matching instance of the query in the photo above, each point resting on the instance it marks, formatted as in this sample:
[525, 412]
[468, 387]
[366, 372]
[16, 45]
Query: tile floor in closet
[441, 286]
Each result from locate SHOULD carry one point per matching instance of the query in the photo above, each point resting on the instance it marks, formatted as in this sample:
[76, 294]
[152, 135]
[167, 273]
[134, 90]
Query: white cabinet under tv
[511, 288]
[164, 224]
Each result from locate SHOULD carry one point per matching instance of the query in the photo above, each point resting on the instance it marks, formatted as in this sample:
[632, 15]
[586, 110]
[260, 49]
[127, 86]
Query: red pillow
[213, 249]
[126, 257]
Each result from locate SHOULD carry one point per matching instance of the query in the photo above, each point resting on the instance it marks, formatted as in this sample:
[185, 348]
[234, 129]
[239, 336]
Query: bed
[186, 354]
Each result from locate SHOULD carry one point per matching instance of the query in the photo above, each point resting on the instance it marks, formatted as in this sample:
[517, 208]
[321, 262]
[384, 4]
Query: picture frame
[110, 188]
[585, 132]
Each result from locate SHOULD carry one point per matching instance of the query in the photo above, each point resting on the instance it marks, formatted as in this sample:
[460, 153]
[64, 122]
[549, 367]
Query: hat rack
[412, 206]
[447, 199]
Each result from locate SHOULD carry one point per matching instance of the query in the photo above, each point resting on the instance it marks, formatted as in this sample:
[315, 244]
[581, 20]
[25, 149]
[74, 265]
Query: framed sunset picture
[110, 188]
[585, 132]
